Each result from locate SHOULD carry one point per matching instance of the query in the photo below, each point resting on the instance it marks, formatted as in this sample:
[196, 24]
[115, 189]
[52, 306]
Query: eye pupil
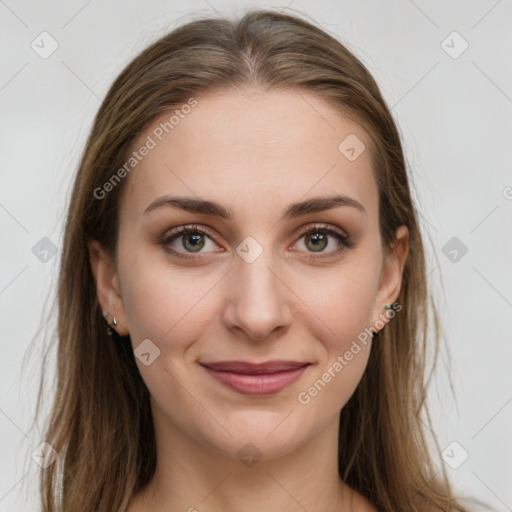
[196, 244]
[319, 240]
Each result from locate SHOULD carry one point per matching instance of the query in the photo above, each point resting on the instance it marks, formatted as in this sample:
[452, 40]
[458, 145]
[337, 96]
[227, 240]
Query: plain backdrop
[444, 68]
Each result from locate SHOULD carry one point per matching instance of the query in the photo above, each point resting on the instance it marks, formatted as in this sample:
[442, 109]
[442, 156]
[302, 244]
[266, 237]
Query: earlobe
[107, 286]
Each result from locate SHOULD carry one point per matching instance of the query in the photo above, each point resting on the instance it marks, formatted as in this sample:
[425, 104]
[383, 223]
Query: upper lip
[254, 368]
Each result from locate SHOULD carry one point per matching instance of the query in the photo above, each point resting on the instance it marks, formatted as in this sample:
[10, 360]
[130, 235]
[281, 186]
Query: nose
[258, 299]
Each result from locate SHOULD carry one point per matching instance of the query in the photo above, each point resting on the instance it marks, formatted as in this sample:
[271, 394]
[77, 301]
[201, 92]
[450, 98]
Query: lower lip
[262, 384]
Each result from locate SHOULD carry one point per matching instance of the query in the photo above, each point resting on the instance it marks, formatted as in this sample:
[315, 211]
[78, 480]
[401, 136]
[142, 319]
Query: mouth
[256, 378]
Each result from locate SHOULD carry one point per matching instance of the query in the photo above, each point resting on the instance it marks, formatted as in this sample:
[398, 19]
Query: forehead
[237, 146]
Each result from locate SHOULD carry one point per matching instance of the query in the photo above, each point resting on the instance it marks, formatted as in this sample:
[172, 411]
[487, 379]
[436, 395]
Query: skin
[255, 152]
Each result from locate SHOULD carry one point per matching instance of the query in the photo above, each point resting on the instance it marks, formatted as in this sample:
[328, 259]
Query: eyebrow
[205, 207]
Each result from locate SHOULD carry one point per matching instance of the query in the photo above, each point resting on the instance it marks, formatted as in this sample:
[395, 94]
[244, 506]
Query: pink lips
[256, 379]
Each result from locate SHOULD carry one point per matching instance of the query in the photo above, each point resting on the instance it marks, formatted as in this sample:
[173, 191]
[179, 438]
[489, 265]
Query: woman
[243, 306]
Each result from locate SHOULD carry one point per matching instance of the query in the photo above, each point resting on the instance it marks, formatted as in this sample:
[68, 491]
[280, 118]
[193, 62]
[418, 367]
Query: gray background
[454, 113]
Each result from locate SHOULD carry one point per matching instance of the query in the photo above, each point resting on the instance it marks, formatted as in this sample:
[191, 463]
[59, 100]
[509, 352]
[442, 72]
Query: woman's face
[258, 285]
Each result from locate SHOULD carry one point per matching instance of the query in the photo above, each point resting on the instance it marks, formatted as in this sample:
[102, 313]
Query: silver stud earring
[113, 324]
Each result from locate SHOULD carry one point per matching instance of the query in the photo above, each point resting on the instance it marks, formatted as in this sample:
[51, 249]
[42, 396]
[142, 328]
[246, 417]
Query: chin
[262, 435]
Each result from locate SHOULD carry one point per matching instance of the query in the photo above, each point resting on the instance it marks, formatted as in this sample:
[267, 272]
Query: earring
[113, 324]
[387, 306]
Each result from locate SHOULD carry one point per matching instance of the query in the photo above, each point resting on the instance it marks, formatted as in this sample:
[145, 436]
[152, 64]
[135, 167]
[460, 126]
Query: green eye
[316, 240]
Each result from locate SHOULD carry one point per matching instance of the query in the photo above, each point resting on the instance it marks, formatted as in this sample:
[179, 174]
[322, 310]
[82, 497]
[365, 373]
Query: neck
[193, 477]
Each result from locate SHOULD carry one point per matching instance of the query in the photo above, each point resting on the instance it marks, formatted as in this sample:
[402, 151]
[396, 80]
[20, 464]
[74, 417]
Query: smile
[263, 381]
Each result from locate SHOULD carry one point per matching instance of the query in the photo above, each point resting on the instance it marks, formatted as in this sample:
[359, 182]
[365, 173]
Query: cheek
[339, 301]
[343, 327]
[339, 311]
[332, 386]
[165, 304]
[173, 309]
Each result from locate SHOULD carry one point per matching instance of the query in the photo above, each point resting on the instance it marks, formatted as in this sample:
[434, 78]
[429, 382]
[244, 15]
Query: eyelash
[345, 241]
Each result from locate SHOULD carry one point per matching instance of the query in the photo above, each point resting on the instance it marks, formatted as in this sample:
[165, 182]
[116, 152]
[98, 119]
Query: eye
[186, 241]
[316, 240]
[192, 240]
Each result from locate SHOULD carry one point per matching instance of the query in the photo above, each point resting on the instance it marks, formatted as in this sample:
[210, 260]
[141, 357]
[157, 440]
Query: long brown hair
[100, 422]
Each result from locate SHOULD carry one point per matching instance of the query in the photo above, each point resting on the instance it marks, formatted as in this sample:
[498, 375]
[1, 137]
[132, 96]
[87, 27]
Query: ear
[391, 274]
[107, 286]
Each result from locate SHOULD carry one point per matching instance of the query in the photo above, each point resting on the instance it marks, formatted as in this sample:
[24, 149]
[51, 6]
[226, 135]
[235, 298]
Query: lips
[248, 368]
[256, 378]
